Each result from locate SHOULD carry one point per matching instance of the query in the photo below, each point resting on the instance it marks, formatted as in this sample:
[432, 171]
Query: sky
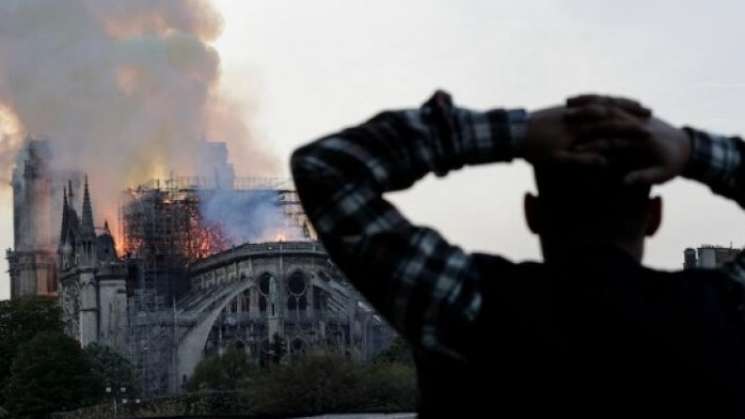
[305, 69]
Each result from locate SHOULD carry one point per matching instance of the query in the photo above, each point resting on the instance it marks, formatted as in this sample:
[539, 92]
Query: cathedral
[177, 293]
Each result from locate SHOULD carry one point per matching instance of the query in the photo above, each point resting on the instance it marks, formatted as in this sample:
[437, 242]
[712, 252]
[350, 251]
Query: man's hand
[603, 102]
[658, 150]
[551, 132]
[549, 137]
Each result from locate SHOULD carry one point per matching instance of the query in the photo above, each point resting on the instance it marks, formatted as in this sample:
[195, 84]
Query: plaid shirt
[717, 161]
[427, 288]
[422, 284]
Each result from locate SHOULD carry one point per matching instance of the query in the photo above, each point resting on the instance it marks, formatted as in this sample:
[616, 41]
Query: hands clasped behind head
[617, 134]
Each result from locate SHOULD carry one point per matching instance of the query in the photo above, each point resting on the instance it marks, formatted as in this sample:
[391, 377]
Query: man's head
[584, 205]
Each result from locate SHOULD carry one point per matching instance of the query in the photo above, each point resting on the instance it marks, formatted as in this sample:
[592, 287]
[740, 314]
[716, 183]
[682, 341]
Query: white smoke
[125, 90]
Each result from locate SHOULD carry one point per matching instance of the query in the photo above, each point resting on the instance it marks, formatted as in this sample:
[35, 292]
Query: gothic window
[262, 304]
[268, 294]
[297, 301]
[296, 305]
[296, 283]
[264, 281]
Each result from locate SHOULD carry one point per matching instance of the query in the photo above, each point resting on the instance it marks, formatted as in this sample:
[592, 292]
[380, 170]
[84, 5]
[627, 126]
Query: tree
[390, 386]
[207, 375]
[400, 351]
[278, 348]
[235, 366]
[111, 368]
[313, 384]
[50, 373]
[20, 320]
[221, 373]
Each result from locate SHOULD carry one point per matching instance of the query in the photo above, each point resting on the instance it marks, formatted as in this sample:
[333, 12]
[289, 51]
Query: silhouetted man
[588, 333]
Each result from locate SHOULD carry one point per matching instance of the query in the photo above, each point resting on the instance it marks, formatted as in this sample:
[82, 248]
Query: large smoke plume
[124, 90]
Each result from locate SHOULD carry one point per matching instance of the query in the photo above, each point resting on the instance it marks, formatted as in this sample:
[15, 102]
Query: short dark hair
[591, 201]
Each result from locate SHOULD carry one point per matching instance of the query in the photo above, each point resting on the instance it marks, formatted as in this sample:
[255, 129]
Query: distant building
[708, 256]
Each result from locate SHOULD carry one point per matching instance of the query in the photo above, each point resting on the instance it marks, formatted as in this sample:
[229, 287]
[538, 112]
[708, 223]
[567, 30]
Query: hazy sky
[309, 68]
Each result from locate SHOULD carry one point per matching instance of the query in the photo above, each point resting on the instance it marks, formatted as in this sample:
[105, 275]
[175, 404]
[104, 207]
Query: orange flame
[185, 234]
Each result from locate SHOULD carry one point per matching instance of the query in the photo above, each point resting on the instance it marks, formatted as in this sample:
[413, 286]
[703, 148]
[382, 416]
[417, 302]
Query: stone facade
[275, 300]
[93, 290]
[285, 296]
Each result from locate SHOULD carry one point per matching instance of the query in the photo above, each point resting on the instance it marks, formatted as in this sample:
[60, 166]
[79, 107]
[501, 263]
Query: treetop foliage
[51, 372]
[20, 320]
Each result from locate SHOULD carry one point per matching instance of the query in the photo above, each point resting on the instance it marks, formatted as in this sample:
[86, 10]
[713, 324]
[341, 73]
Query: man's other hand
[627, 105]
[549, 136]
[611, 126]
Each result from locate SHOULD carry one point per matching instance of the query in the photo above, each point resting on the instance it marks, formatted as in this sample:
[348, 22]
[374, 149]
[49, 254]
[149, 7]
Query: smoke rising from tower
[124, 90]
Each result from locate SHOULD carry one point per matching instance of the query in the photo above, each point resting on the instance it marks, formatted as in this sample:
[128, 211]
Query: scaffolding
[151, 342]
[162, 221]
[183, 183]
[167, 223]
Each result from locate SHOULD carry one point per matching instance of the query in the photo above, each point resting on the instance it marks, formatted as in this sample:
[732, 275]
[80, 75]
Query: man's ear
[532, 207]
[655, 216]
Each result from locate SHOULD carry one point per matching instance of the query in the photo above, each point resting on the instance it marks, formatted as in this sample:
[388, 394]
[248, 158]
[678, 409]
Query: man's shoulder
[621, 270]
[691, 277]
[490, 262]
[710, 297]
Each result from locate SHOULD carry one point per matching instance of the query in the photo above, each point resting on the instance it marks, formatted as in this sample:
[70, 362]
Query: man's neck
[567, 250]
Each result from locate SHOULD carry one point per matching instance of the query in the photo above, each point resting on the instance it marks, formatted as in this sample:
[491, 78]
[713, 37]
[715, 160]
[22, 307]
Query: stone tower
[32, 262]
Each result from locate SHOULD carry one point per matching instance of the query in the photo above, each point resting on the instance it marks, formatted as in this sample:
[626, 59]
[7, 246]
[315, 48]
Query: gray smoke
[249, 216]
[242, 212]
[125, 90]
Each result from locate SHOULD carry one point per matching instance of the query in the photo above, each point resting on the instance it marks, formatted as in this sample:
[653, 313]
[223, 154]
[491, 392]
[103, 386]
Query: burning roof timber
[187, 219]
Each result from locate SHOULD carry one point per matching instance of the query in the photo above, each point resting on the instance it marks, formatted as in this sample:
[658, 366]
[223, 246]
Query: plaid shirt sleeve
[427, 288]
[717, 161]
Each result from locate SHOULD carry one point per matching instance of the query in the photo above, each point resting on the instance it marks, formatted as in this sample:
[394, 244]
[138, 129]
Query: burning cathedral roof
[191, 218]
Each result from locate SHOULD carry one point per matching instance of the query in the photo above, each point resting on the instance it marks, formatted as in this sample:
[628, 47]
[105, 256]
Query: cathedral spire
[63, 232]
[87, 217]
[70, 194]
